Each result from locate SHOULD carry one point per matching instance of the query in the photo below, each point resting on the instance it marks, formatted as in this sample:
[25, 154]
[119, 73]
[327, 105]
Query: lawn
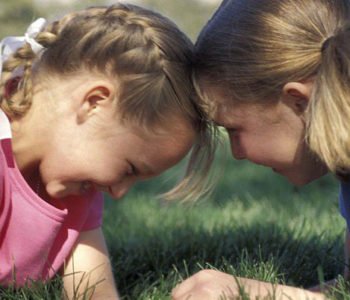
[255, 225]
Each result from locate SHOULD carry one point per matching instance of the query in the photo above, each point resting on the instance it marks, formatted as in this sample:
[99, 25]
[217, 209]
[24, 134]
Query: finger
[183, 288]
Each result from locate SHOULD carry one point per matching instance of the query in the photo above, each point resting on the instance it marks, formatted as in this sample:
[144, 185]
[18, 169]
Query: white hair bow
[10, 44]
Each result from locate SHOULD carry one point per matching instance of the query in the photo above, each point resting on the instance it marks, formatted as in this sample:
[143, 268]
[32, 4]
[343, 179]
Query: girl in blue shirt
[277, 73]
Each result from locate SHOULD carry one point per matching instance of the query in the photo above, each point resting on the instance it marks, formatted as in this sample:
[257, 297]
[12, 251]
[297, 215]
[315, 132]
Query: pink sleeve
[2, 191]
[4, 194]
[94, 219]
[2, 176]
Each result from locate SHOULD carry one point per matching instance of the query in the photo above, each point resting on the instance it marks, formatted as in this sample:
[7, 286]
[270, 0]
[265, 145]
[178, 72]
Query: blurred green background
[15, 16]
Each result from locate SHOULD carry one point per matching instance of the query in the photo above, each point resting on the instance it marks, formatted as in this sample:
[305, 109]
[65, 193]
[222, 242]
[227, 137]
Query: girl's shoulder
[345, 189]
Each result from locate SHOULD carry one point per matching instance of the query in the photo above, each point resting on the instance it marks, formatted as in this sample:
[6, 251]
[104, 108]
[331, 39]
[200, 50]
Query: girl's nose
[237, 152]
[236, 148]
[120, 189]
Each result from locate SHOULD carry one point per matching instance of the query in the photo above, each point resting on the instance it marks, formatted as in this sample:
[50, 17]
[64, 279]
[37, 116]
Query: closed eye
[227, 126]
[218, 124]
[232, 130]
[132, 171]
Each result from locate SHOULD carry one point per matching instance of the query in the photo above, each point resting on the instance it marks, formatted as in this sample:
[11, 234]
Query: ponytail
[328, 124]
[253, 48]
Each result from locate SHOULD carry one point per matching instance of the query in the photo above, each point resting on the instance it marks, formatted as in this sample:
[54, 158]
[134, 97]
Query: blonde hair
[150, 57]
[254, 47]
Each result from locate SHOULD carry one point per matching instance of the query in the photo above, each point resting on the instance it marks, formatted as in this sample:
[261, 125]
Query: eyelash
[132, 170]
[232, 130]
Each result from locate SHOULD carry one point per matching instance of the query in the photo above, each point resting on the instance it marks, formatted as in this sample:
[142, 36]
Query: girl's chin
[58, 194]
[58, 190]
[292, 178]
[299, 181]
[303, 180]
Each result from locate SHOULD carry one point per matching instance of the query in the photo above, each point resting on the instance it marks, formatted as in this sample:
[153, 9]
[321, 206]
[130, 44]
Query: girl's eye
[232, 130]
[131, 170]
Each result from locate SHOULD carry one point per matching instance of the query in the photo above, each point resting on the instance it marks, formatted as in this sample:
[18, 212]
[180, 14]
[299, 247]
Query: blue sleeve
[344, 202]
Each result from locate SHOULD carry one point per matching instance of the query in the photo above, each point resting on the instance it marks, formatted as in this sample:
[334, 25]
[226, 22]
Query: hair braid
[20, 100]
[147, 55]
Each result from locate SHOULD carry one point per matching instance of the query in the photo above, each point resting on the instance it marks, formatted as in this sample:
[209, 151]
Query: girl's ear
[297, 95]
[95, 99]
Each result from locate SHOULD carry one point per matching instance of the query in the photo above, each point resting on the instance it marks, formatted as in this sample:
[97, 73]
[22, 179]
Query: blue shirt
[344, 201]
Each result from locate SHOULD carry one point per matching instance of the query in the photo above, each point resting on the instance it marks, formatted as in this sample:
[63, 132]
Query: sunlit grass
[255, 225]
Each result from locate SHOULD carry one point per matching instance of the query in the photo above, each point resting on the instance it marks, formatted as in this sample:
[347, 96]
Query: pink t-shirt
[37, 237]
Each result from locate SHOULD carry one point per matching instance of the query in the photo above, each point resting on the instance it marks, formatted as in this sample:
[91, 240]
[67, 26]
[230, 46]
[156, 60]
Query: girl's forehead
[216, 93]
[220, 100]
[230, 113]
[227, 113]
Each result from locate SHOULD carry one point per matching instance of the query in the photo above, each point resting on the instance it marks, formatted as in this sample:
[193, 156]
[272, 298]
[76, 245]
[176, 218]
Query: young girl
[277, 73]
[90, 103]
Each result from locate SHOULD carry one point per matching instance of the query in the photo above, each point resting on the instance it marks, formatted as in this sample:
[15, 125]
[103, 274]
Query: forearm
[88, 273]
[211, 284]
[94, 284]
[261, 290]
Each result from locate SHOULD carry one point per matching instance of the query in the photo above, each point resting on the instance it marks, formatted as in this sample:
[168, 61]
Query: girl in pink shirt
[93, 102]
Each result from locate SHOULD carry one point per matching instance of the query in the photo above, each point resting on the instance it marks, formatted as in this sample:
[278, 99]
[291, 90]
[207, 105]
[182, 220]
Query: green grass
[254, 225]
[262, 228]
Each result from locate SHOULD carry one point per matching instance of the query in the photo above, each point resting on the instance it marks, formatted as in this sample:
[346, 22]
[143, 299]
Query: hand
[206, 284]
[210, 285]
[326, 286]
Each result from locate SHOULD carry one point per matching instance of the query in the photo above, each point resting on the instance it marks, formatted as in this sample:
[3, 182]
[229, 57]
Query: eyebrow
[220, 124]
[221, 110]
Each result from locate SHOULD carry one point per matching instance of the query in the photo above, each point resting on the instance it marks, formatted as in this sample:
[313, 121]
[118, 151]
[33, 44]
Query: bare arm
[210, 284]
[88, 271]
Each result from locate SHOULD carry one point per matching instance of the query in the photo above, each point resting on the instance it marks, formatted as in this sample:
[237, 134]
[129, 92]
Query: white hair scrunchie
[10, 44]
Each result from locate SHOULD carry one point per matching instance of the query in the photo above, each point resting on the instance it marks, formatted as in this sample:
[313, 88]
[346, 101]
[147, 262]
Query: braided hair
[150, 58]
